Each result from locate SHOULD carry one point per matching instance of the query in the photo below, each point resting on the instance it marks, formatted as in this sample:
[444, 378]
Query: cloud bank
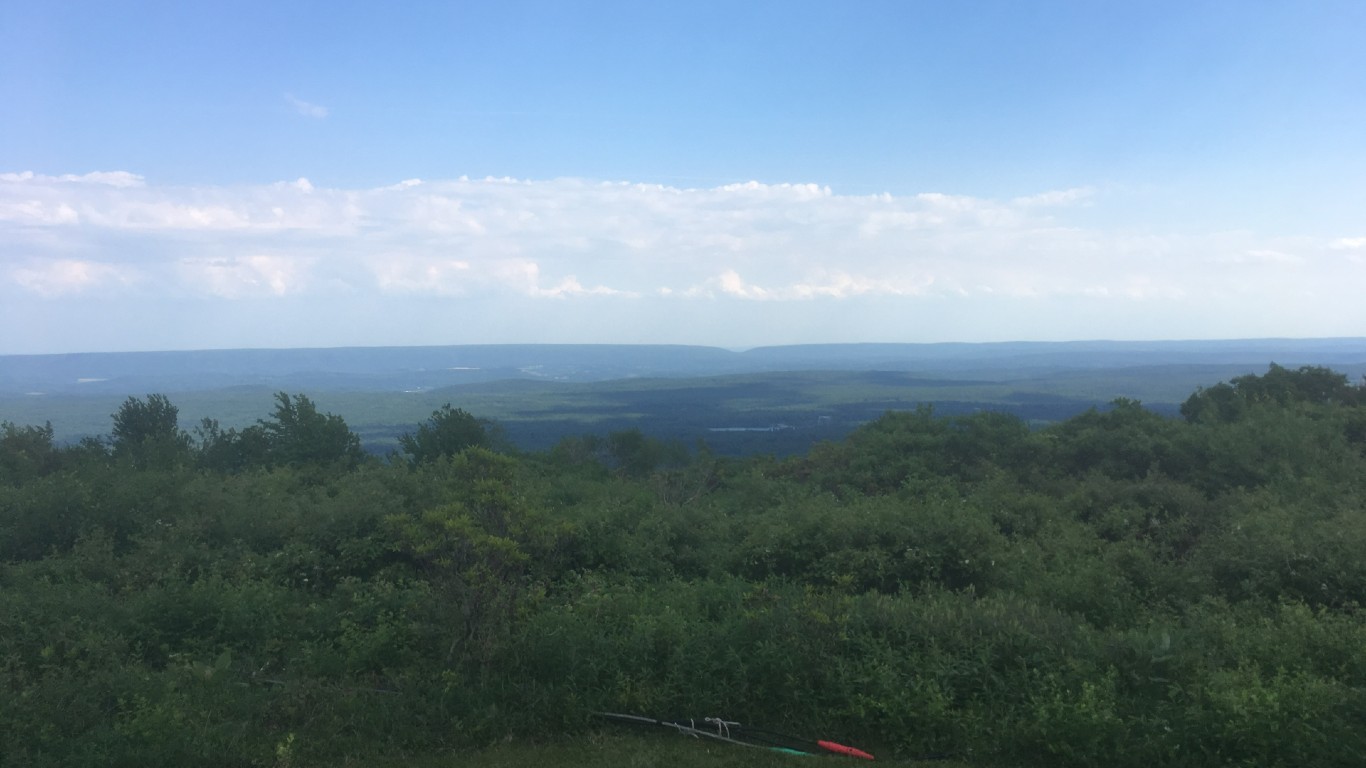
[118, 236]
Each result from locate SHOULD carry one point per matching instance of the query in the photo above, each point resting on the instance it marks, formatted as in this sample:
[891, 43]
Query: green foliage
[636, 455]
[905, 448]
[447, 432]
[26, 453]
[147, 433]
[476, 549]
[232, 450]
[298, 435]
[881, 545]
[1125, 442]
[1119, 589]
[1279, 386]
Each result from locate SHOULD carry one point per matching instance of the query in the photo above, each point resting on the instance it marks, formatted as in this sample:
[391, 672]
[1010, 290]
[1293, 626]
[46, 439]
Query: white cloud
[247, 276]
[1057, 197]
[307, 109]
[66, 277]
[120, 179]
[110, 178]
[38, 212]
[402, 273]
[570, 286]
[829, 285]
[1263, 256]
[123, 201]
[591, 244]
[731, 283]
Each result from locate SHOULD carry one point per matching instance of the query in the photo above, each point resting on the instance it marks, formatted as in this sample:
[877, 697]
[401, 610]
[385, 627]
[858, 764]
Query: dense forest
[1120, 588]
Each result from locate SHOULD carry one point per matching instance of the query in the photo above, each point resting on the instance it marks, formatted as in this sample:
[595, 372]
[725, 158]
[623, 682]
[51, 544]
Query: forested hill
[1118, 589]
[408, 368]
[774, 400]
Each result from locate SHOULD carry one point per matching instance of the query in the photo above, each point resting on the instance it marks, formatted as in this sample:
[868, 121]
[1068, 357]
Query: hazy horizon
[731, 349]
[259, 176]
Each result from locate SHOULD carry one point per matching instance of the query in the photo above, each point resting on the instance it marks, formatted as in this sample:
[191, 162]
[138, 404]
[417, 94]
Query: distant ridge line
[423, 368]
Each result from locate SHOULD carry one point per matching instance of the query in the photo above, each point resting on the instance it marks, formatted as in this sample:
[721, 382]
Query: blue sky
[187, 175]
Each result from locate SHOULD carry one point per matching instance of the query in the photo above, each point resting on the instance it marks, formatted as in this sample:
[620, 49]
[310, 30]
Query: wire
[732, 732]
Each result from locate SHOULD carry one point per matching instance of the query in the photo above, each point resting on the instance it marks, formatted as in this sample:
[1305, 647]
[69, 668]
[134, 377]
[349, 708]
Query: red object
[840, 749]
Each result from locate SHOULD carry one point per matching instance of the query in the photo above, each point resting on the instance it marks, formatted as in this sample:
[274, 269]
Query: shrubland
[1119, 588]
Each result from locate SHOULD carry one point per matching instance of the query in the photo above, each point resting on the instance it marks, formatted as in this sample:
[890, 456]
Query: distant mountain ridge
[346, 368]
[407, 369]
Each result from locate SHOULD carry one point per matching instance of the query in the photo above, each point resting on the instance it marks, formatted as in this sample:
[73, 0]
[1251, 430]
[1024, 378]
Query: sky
[264, 174]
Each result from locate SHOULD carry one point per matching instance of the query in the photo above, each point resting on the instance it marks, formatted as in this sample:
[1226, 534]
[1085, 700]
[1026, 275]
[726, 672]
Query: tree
[448, 432]
[1126, 441]
[26, 452]
[299, 435]
[147, 432]
[880, 456]
[231, 450]
[634, 454]
[976, 443]
[480, 549]
[1279, 386]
